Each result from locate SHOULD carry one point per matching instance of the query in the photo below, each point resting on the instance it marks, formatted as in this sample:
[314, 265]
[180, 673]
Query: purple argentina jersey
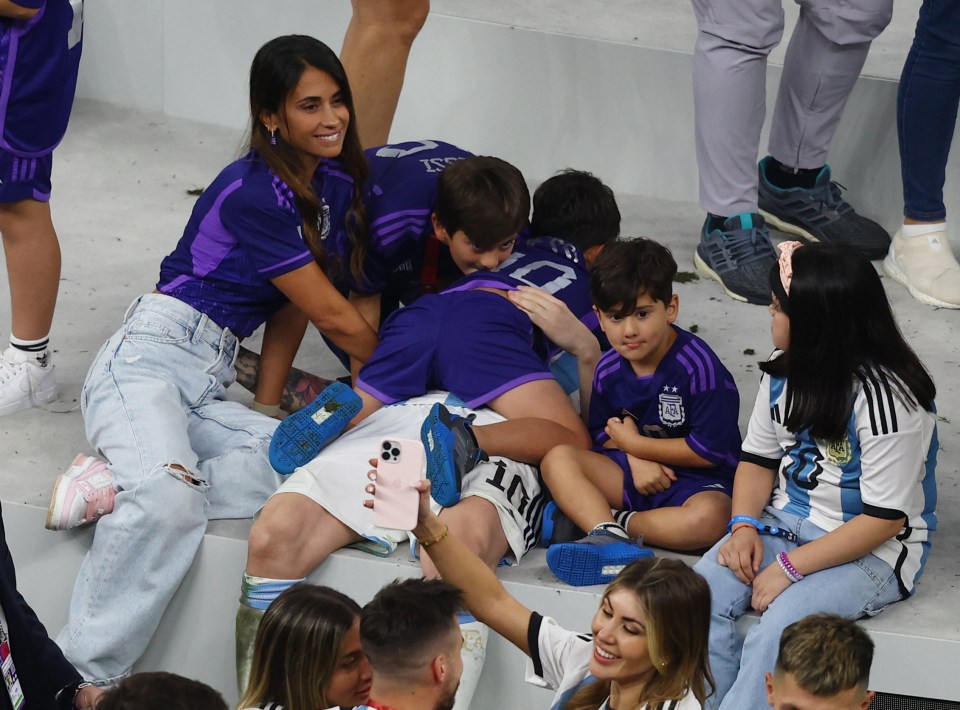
[559, 268]
[39, 60]
[399, 199]
[691, 395]
[473, 343]
[245, 230]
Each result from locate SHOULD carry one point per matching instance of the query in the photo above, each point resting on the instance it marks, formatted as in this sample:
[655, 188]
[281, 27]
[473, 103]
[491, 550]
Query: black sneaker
[820, 214]
[557, 527]
[738, 257]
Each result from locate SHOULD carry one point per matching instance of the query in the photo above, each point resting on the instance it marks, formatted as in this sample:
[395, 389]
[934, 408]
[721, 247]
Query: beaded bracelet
[761, 528]
[788, 569]
[439, 537]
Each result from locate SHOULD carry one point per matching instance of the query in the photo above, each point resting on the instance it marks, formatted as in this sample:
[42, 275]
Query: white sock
[613, 529]
[918, 230]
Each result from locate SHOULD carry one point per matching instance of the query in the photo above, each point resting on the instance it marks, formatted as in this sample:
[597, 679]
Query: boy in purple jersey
[663, 417]
[441, 344]
[574, 216]
[429, 224]
[40, 45]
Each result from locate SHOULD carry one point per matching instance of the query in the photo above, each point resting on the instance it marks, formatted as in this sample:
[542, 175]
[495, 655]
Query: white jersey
[559, 660]
[883, 467]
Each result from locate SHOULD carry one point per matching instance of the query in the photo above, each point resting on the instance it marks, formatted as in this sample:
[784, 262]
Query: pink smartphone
[395, 501]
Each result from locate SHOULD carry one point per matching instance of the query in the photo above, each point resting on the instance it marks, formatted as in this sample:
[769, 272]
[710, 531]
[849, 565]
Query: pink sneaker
[82, 495]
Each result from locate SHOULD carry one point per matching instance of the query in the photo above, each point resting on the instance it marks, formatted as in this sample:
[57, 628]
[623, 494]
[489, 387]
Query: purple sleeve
[601, 408]
[714, 433]
[267, 226]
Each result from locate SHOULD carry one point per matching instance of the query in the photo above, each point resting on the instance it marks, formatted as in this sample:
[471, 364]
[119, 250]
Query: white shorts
[335, 480]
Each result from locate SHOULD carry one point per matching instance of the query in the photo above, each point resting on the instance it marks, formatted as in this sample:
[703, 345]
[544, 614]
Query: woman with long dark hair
[834, 497]
[178, 451]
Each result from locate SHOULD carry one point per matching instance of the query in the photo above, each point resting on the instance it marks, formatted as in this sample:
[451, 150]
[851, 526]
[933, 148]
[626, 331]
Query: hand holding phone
[395, 500]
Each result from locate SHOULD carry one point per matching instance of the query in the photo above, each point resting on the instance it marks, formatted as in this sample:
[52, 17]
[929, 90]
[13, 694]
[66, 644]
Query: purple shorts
[24, 178]
[690, 481]
[475, 344]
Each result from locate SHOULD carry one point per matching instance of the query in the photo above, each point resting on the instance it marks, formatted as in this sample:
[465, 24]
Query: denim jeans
[927, 104]
[154, 407]
[859, 588]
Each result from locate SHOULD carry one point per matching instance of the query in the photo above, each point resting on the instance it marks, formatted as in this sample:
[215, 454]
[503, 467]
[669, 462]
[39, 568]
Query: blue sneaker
[738, 257]
[557, 527]
[820, 214]
[594, 559]
[304, 434]
[452, 452]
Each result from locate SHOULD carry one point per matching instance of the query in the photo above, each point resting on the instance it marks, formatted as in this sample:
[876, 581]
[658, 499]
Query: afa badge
[839, 452]
[671, 408]
[323, 221]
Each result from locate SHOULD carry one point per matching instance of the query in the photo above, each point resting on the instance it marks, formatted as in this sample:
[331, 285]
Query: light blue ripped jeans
[154, 398]
[863, 587]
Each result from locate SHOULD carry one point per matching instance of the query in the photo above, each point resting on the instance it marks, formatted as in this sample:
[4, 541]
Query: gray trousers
[824, 58]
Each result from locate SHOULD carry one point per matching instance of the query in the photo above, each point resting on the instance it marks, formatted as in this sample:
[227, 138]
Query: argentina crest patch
[839, 452]
[323, 221]
[671, 407]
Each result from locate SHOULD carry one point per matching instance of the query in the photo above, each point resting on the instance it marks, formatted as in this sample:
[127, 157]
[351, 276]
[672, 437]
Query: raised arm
[483, 594]
[311, 292]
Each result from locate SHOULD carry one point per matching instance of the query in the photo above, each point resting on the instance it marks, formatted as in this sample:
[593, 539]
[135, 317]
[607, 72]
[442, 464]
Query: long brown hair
[296, 648]
[676, 601]
[275, 72]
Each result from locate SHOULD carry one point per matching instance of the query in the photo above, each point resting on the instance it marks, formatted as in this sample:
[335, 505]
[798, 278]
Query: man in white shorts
[500, 500]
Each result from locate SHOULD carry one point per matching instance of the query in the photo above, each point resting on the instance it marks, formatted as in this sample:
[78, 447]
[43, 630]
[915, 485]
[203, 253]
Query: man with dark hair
[161, 691]
[412, 639]
[824, 662]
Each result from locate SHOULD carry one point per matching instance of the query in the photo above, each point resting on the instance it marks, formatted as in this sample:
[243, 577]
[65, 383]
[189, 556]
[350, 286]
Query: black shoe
[738, 257]
[820, 214]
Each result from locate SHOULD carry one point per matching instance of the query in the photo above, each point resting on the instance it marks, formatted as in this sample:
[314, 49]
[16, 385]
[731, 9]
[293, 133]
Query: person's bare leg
[292, 536]
[476, 523]
[695, 525]
[584, 484]
[540, 417]
[375, 51]
[33, 266]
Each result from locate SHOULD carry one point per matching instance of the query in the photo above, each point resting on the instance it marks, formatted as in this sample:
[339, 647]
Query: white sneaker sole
[58, 498]
[705, 269]
[36, 398]
[897, 274]
[773, 221]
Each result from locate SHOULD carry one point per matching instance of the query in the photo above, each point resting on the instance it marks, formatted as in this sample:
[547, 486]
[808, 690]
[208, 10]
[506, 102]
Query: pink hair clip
[786, 263]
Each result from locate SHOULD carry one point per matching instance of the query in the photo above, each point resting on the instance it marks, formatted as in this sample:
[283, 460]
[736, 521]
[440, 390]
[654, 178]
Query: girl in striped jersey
[834, 497]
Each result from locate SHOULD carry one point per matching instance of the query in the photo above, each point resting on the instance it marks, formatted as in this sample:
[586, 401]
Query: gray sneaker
[738, 257]
[820, 214]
